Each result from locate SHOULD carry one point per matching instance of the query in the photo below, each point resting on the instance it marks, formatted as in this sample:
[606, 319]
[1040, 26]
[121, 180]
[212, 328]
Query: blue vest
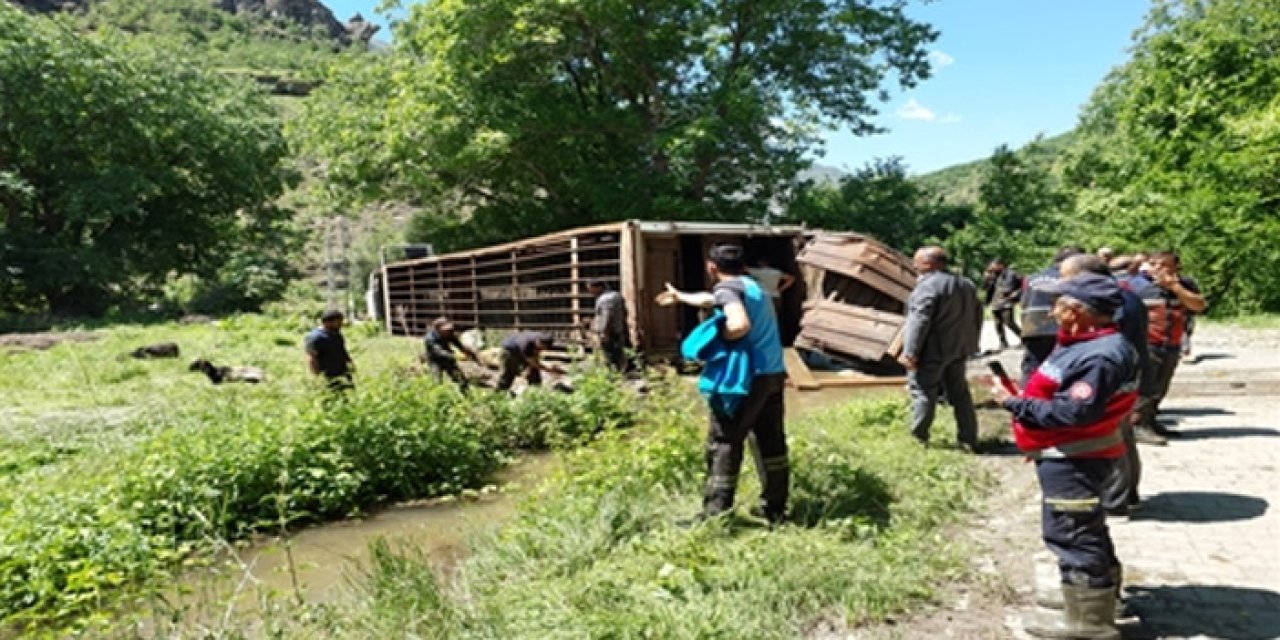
[763, 337]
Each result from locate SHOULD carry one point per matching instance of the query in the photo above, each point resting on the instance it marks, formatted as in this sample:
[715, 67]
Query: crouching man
[440, 343]
[522, 353]
[1067, 419]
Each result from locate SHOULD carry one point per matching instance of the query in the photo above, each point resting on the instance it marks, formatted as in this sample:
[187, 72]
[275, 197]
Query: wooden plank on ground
[861, 380]
[798, 372]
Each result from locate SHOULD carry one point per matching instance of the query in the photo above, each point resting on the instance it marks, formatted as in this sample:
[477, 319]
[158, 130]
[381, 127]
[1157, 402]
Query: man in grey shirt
[944, 319]
[610, 323]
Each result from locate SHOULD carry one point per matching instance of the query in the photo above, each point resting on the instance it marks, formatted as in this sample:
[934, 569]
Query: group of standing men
[1102, 338]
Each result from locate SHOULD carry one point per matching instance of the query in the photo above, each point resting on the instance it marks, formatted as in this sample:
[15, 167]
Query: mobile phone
[997, 369]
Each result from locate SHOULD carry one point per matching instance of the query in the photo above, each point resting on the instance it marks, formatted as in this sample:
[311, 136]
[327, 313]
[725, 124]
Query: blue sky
[1005, 71]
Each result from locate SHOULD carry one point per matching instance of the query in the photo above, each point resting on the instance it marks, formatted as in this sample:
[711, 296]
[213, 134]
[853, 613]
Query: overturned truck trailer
[540, 283]
[848, 302]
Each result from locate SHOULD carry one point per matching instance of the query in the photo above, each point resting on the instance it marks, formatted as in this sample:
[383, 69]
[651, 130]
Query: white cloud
[913, 110]
[950, 118]
[940, 59]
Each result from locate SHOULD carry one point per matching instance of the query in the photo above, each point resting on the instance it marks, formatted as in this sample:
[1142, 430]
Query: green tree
[1019, 214]
[1179, 147]
[120, 165]
[879, 200]
[513, 117]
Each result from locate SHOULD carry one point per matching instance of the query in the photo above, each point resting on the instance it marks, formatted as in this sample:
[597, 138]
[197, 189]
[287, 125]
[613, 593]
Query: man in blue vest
[749, 316]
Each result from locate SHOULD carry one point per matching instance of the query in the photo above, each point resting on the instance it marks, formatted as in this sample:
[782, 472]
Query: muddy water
[315, 564]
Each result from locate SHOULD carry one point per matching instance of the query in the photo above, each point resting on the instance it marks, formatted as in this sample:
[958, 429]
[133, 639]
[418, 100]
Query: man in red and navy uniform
[1066, 419]
[1171, 298]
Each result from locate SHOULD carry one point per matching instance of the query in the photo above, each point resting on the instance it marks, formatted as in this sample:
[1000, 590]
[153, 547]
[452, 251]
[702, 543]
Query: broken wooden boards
[858, 289]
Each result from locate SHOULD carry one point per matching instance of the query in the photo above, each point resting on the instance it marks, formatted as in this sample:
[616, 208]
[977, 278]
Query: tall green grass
[93, 508]
[595, 552]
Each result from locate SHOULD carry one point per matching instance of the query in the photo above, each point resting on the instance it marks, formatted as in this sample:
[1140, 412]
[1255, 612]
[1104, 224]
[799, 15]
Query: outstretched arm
[700, 299]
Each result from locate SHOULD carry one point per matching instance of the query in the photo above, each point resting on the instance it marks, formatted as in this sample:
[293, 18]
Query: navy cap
[1100, 293]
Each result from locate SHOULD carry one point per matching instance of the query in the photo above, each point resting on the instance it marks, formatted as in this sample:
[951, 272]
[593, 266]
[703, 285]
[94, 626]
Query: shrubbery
[73, 530]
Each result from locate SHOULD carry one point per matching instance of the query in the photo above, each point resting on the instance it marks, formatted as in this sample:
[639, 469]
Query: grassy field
[115, 469]
[597, 552]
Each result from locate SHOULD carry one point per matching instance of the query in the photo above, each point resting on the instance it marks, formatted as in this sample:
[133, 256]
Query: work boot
[1048, 586]
[775, 518]
[1089, 613]
[1048, 589]
[1146, 436]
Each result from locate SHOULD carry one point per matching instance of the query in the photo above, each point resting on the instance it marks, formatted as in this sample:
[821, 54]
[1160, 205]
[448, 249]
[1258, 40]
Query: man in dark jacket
[522, 353]
[1066, 418]
[944, 318]
[610, 323]
[1003, 286]
[440, 343]
[327, 352]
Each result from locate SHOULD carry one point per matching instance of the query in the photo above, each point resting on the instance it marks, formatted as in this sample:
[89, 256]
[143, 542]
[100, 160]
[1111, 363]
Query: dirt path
[1202, 555]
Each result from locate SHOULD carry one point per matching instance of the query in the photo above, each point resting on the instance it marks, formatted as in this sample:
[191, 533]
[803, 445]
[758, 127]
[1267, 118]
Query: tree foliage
[120, 165]
[222, 39]
[1019, 212]
[881, 200]
[1180, 145]
[514, 117]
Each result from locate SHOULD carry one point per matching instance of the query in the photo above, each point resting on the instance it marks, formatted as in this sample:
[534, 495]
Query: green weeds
[148, 464]
[595, 553]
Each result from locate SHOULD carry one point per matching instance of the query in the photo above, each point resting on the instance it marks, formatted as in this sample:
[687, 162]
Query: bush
[74, 530]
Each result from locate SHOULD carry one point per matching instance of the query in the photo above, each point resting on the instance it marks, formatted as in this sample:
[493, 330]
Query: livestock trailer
[541, 283]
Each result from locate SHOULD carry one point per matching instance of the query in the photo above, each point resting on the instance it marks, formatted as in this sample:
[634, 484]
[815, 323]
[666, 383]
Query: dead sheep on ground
[218, 375]
[158, 350]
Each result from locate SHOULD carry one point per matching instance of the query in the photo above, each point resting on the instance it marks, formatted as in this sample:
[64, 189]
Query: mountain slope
[958, 184]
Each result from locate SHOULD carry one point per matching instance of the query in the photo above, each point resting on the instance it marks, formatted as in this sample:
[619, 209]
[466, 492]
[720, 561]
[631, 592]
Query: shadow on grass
[836, 489]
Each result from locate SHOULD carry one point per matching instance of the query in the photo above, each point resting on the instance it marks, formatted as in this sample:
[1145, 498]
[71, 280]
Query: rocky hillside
[311, 14]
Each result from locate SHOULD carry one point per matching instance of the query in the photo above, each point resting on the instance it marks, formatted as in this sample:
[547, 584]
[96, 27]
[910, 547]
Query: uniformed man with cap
[1066, 418]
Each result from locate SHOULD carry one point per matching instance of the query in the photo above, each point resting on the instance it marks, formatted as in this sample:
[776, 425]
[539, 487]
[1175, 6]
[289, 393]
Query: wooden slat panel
[863, 260]
[848, 330]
